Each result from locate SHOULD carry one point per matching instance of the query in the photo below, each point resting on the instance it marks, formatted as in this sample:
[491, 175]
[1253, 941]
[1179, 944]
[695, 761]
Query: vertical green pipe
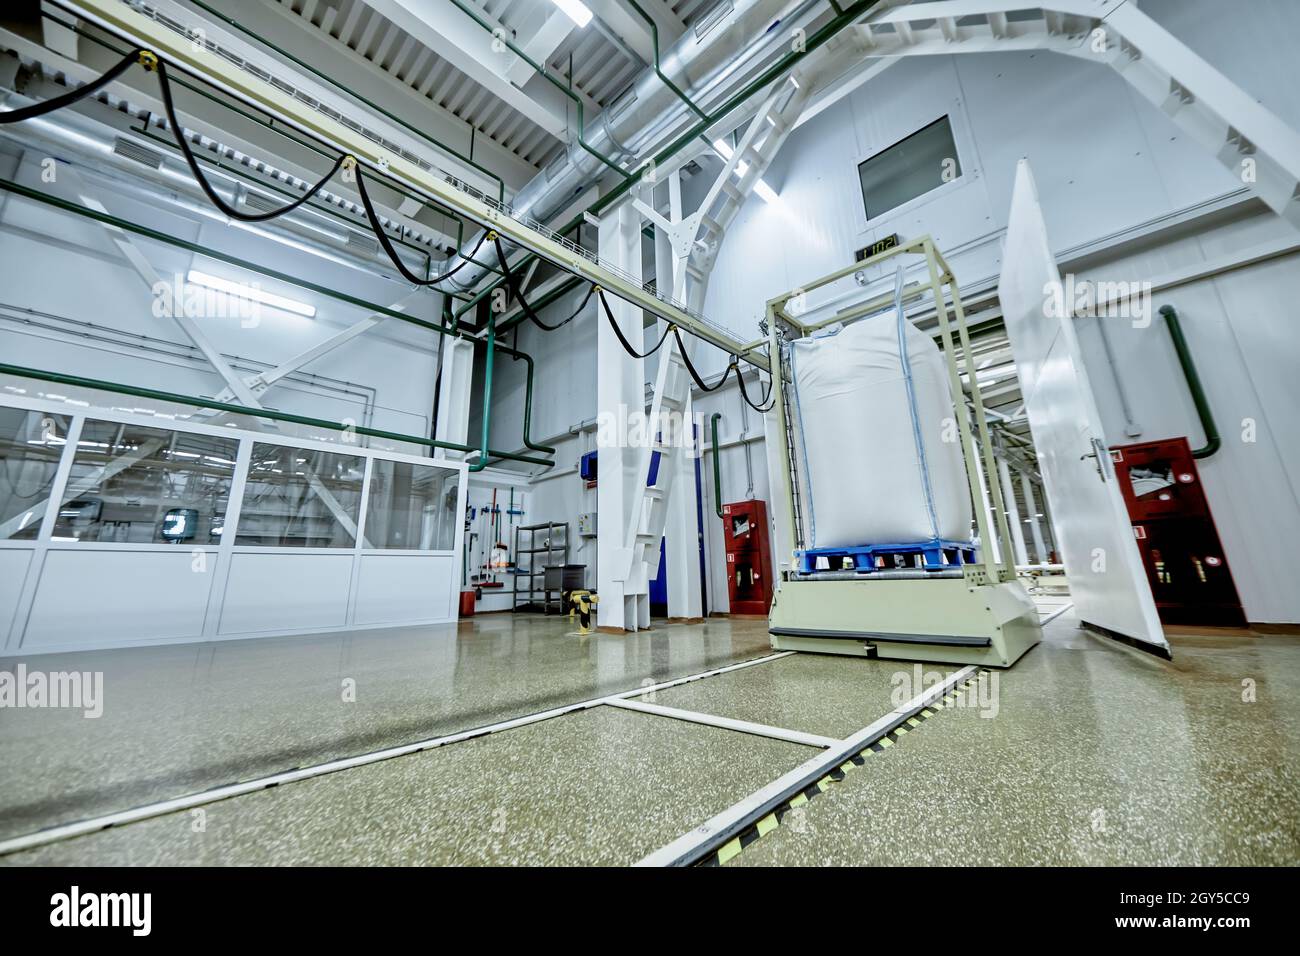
[487, 393]
[654, 38]
[1203, 410]
[717, 466]
[528, 398]
[545, 74]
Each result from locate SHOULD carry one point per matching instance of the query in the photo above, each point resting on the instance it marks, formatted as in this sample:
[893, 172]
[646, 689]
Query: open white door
[1107, 581]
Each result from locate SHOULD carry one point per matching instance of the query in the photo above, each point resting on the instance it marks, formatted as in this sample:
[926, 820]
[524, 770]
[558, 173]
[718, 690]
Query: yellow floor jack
[582, 603]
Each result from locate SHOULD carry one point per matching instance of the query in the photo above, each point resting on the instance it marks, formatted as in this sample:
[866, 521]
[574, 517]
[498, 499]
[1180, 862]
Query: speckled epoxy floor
[188, 717]
[1097, 755]
[815, 693]
[601, 787]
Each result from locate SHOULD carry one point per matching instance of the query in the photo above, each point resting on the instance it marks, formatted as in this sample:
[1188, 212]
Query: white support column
[685, 600]
[1027, 490]
[682, 566]
[620, 391]
[1013, 513]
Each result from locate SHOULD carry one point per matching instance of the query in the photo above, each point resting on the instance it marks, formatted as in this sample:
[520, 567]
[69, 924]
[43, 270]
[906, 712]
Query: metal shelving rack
[549, 532]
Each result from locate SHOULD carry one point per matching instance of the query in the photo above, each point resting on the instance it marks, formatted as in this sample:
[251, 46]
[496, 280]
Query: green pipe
[59, 378]
[654, 37]
[528, 395]
[487, 395]
[844, 18]
[542, 71]
[717, 466]
[154, 234]
[1212, 441]
[231, 21]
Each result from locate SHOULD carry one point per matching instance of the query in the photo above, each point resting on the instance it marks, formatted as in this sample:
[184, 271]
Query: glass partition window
[140, 485]
[911, 167]
[300, 498]
[31, 444]
[412, 507]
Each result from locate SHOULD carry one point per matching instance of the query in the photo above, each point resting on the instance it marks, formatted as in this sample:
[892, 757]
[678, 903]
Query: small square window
[911, 167]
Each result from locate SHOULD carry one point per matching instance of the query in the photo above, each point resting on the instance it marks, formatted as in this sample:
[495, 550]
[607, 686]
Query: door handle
[1100, 456]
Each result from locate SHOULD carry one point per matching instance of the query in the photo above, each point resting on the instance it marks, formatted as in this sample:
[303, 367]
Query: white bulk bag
[878, 468]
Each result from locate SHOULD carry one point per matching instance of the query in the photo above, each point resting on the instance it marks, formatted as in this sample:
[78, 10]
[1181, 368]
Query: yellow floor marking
[767, 824]
[799, 800]
[927, 712]
[728, 851]
[886, 742]
[914, 722]
[847, 766]
[899, 731]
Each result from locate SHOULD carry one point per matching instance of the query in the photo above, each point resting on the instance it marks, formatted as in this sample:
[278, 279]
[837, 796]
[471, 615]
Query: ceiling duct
[734, 39]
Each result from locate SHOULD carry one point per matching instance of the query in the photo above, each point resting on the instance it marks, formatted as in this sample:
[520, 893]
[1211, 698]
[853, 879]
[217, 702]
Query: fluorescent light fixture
[575, 10]
[765, 191]
[242, 290]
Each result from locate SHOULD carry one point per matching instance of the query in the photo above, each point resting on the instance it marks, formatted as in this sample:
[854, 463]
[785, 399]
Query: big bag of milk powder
[874, 409]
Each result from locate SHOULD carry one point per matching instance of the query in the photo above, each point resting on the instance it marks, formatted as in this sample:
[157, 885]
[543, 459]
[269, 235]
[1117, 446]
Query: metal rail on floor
[728, 723]
[149, 811]
[698, 843]
[1057, 613]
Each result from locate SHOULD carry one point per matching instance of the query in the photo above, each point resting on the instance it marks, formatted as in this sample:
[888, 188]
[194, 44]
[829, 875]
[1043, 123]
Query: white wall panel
[13, 574]
[98, 597]
[279, 592]
[395, 588]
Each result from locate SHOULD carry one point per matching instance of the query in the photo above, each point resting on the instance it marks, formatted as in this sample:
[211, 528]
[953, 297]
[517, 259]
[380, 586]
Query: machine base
[940, 619]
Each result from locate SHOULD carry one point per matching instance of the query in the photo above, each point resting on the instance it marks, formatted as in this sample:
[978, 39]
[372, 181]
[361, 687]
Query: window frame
[929, 194]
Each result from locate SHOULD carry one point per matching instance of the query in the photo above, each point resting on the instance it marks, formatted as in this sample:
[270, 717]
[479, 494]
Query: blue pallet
[864, 556]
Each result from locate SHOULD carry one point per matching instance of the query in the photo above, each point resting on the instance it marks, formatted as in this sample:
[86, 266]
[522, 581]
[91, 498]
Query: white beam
[295, 37]
[540, 45]
[475, 52]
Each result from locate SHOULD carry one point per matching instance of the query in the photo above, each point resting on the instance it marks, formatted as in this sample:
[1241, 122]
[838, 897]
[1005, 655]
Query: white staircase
[669, 436]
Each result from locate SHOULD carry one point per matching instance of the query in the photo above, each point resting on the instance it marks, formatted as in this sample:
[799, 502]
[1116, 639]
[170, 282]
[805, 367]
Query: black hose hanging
[765, 405]
[178, 133]
[73, 96]
[392, 253]
[622, 339]
[699, 380]
[518, 293]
